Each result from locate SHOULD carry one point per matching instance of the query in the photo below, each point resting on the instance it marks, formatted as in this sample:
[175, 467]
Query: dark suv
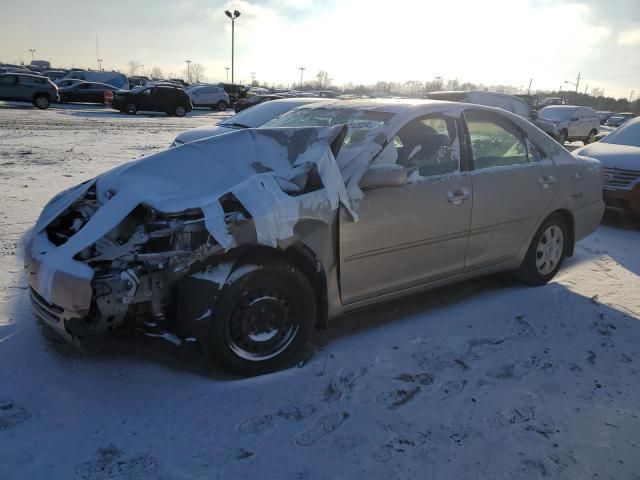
[159, 98]
[38, 90]
[235, 92]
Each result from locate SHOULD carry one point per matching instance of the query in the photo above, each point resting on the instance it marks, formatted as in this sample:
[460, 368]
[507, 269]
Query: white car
[574, 123]
[209, 96]
[619, 153]
[249, 118]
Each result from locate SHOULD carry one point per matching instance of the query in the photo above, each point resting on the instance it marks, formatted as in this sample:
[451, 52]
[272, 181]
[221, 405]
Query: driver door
[413, 234]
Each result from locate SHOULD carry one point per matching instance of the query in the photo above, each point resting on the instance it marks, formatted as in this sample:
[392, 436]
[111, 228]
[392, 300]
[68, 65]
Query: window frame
[510, 127]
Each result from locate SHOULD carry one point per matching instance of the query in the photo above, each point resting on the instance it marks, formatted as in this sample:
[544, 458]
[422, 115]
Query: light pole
[253, 78]
[576, 84]
[227, 69]
[100, 64]
[302, 69]
[233, 17]
[33, 51]
[142, 70]
[188, 62]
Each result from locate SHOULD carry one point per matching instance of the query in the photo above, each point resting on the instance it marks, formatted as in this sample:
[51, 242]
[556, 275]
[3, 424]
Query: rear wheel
[179, 111]
[131, 108]
[222, 105]
[41, 102]
[546, 252]
[264, 317]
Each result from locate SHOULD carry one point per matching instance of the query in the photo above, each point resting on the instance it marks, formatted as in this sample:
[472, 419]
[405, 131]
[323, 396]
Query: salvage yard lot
[486, 379]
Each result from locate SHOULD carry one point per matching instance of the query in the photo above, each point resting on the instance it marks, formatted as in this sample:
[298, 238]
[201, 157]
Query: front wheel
[41, 102]
[591, 137]
[546, 252]
[222, 105]
[179, 111]
[263, 319]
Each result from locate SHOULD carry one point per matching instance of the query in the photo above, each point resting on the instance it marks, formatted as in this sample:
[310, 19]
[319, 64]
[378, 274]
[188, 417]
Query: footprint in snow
[449, 389]
[264, 423]
[325, 425]
[112, 464]
[11, 415]
[513, 416]
[398, 444]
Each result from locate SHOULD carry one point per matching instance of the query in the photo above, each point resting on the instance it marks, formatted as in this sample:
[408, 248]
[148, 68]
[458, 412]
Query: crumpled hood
[623, 157]
[252, 164]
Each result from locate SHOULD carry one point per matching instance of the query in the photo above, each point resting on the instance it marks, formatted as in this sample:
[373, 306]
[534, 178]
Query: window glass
[361, 123]
[7, 80]
[425, 147]
[494, 142]
[26, 80]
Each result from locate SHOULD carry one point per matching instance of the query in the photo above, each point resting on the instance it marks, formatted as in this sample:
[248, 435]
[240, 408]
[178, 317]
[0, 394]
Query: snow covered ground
[487, 379]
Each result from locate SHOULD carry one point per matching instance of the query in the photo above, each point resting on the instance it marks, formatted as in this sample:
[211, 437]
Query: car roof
[24, 75]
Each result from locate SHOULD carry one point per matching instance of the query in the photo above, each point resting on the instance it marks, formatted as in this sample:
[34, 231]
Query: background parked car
[115, 79]
[209, 96]
[251, 118]
[234, 91]
[67, 82]
[507, 102]
[137, 81]
[87, 92]
[245, 103]
[574, 123]
[619, 153]
[552, 101]
[620, 118]
[36, 89]
[54, 75]
[169, 99]
[604, 116]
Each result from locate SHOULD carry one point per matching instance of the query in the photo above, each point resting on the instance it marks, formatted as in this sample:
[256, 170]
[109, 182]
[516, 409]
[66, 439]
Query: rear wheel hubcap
[549, 250]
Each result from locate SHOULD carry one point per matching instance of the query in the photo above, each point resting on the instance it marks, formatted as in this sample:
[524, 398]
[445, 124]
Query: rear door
[414, 234]
[8, 87]
[513, 185]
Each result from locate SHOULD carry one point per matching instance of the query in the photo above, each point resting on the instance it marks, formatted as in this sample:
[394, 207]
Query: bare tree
[134, 65]
[197, 72]
[156, 72]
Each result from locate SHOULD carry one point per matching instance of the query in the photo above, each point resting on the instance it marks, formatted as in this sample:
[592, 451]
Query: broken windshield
[360, 123]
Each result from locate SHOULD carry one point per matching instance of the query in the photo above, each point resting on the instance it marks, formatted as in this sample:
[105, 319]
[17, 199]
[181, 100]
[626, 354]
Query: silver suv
[38, 90]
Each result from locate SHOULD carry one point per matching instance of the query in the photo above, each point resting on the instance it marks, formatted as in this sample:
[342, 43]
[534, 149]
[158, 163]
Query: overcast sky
[360, 41]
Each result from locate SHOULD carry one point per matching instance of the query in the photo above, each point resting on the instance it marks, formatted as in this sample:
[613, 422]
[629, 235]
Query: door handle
[544, 182]
[456, 197]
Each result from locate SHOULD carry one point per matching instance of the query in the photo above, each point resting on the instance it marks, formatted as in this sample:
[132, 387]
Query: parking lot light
[233, 17]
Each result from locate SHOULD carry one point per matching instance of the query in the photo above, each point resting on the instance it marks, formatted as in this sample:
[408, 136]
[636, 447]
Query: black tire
[179, 111]
[41, 102]
[131, 108]
[591, 138]
[530, 272]
[283, 297]
[222, 105]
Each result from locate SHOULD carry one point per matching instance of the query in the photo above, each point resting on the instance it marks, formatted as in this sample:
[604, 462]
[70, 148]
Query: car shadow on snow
[191, 357]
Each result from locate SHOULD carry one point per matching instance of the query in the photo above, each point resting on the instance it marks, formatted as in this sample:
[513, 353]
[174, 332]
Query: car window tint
[8, 80]
[494, 142]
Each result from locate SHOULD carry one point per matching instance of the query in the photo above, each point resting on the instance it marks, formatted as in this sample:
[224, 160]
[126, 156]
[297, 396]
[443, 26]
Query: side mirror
[389, 175]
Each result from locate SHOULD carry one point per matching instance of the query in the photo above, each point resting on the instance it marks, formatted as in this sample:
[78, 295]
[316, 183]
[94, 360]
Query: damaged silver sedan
[249, 240]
